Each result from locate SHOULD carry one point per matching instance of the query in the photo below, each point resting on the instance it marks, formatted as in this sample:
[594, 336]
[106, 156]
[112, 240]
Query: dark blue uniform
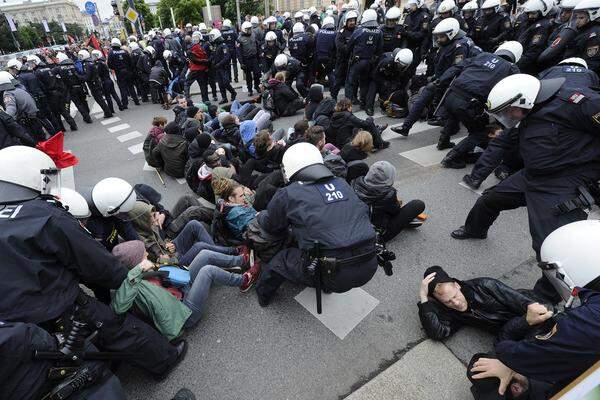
[120, 61]
[57, 95]
[576, 75]
[586, 45]
[329, 212]
[474, 78]
[534, 39]
[267, 56]
[491, 30]
[92, 78]
[342, 58]
[325, 54]
[388, 77]
[108, 86]
[302, 48]
[416, 30]
[392, 37]
[364, 47]
[211, 73]
[294, 71]
[221, 62]
[230, 37]
[69, 75]
[34, 86]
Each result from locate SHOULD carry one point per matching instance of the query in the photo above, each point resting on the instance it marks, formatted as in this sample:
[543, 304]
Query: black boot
[461, 234]
[444, 143]
[453, 160]
[400, 130]
[472, 182]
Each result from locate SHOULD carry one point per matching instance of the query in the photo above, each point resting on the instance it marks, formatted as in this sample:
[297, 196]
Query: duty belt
[589, 194]
[330, 265]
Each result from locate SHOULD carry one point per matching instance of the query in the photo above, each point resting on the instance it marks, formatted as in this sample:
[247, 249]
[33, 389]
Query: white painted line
[181, 181]
[95, 108]
[429, 155]
[119, 127]
[136, 148]
[110, 120]
[129, 136]
[342, 312]
[147, 167]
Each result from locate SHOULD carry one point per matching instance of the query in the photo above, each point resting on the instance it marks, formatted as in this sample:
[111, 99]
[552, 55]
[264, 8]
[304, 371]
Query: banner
[46, 28]
[11, 23]
[64, 28]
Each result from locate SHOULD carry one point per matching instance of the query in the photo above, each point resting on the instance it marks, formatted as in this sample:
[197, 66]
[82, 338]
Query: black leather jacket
[491, 305]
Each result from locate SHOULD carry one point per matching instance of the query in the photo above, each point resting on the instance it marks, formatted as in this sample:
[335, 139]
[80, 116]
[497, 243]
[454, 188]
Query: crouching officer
[46, 254]
[390, 79]
[318, 208]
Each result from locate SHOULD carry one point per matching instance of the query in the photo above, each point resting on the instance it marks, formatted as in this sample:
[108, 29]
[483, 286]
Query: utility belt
[331, 265]
[475, 103]
[589, 194]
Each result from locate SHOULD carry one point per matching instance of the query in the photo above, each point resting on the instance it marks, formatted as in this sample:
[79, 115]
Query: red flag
[53, 147]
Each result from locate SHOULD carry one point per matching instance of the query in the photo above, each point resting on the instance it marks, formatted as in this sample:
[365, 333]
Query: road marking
[109, 120]
[95, 108]
[488, 183]
[136, 148]
[429, 155]
[98, 116]
[129, 136]
[181, 181]
[342, 312]
[119, 127]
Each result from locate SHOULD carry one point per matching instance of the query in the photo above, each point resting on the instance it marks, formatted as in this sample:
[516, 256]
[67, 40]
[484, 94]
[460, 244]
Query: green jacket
[168, 313]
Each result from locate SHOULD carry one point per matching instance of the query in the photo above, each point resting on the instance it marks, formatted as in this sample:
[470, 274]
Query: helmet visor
[509, 117]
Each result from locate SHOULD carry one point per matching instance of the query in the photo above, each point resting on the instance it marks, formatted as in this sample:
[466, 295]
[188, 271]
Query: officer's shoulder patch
[576, 97]
[549, 334]
[555, 42]
[458, 58]
[8, 99]
[596, 118]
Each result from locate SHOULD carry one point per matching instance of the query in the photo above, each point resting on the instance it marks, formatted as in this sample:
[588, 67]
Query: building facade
[51, 10]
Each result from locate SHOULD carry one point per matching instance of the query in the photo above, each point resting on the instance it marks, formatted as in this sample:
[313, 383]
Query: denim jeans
[219, 259]
[195, 297]
[192, 239]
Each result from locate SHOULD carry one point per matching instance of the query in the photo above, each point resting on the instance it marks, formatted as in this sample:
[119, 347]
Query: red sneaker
[250, 277]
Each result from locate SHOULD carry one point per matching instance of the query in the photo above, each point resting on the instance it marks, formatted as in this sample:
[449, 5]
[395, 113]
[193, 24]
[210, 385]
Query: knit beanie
[130, 253]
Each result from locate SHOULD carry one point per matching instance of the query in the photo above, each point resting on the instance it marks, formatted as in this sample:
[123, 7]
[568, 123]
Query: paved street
[243, 351]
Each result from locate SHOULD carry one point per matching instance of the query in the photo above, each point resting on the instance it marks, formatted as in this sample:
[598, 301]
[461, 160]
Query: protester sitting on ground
[447, 303]
[171, 153]
[388, 214]
[195, 119]
[314, 98]
[212, 159]
[158, 129]
[298, 133]
[285, 100]
[170, 316]
[268, 155]
[315, 135]
[359, 148]
[159, 79]
[238, 213]
[180, 110]
[344, 125]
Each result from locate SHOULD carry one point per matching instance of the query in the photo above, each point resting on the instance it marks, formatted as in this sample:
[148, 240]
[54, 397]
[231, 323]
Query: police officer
[469, 13]
[342, 56]
[69, 75]
[535, 37]
[92, 78]
[292, 68]
[198, 65]
[257, 29]
[158, 44]
[416, 29]
[392, 32]
[108, 86]
[318, 208]
[390, 76]
[557, 127]
[141, 87]
[576, 72]
[271, 26]
[492, 27]
[230, 37]
[172, 44]
[120, 61]
[268, 51]
[563, 30]
[325, 51]
[365, 46]
[453, 48]
[302, 48]
[143, 66]
[587, 42]
[247, 54]
[464, 103]
[211, 73]
[32, 84]
[221, 62]
[287, 23]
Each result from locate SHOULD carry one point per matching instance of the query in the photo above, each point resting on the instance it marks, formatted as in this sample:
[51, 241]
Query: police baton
[443, 98]
[314, 269]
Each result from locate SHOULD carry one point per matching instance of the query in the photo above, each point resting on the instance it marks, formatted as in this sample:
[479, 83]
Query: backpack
[191, 175]
[267, 100]
[148, 146]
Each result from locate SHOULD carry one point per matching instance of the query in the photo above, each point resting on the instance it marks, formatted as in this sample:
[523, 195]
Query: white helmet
[21, 172]
[353, 4]
[369, 16]
[97, 54]
[188, 25]
[60, 56]
[270, 20]
[298, 157]
[469, 7]
[312, 10]
[150, 50]
[270, 36]
[329, 12]
[196, 36]
[404, 57]
[7, 81]
[286, 15]
[351, 15]
[254, 20]
[328, 22]
[298, 14]
[536, 5]
[592, 7]
[448, 26]
[214, 34]
[227, 23]
[374, 6]
[134, 46]
[315, 27]
[574, 61]
[305, 17]
[177, 31]
[132, 38]
[569, 256]
[166, 32]
[167, 54]
[418, 3]
[33, 59]
[246, 25]
[151, 34]
[345, 6]
[487, 4]
[446, 6]
[83, 55]
[280, 61]
[112, 196]
[14, 63]
[202, 27]
[75, 203]
[512, 49]
[298, 27]
[115, 42]
[393, 13]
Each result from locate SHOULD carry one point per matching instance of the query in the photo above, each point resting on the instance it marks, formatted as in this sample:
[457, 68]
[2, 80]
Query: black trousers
[79, 98]
[196, 76]
[108, 88]
[341, 70]
[407, 213]
[96, 92]
[125, 83]
[224, 79]
[252, 73]
[460, 110]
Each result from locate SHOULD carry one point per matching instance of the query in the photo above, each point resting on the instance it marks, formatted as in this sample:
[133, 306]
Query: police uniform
[230, 37]
[108, 86]
[464, 103]
[326, 211]
[211, 73]
[142, 87]
[416, 30]
[293, 69]
[247, 53]
[143, 67]
[69, 75]
[387, 78]
[325, 55]
[575, 75]
[587, 46]
[302, 48]
[392, 37]
[280, 39]
[46, 256]
[365, 46]
[267, 56]
[342, 58]
[120, 61]
[20, 105]
[91, 77]
[534, 40]
[221, 64]
[58, 96]
[501, 156]
[33, 85]
[491, 30]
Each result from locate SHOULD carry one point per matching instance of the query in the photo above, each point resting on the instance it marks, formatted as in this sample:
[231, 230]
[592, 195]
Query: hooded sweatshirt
[247, 134]
[377, 191]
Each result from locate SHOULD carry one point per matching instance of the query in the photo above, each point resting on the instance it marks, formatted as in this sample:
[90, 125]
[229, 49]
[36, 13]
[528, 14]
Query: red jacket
[198, 58]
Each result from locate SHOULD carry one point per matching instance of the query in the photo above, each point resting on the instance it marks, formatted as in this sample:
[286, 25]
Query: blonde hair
[363, 140]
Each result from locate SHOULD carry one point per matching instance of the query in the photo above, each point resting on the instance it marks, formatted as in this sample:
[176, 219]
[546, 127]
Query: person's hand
[158, 219]
[493, 368]
[537, 313]
[171, 247]
[220, 151]
[424, 290]
[281, 142]
[147, 265]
